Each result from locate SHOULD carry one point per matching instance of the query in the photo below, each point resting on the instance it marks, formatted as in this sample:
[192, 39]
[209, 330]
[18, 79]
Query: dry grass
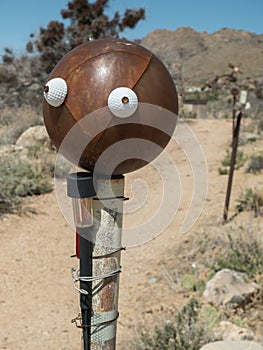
[14, 121]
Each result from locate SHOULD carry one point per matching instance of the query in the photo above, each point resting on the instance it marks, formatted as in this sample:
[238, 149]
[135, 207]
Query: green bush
[212, 95]
[251, 199]
[255, 164]
[20, 178]
[192, 283]
[222, 171]
[14, 121]
[240, 159]
[244, 254]
[186, 333]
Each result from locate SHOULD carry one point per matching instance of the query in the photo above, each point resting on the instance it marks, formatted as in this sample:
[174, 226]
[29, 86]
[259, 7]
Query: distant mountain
[195, 58]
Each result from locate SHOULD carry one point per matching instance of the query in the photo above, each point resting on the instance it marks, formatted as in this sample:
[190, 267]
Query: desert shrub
[250, 199]
[239, 248]
[21, 81]
[222, 171]
[255, 164]
[20, 178]
[212, 95]
[7, 76]
[240, 159]
[244, 253]
[186, 333]
[188, 114]
[14, 121]
[192, 283]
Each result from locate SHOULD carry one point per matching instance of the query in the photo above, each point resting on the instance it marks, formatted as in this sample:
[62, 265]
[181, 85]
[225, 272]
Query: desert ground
[37, 298]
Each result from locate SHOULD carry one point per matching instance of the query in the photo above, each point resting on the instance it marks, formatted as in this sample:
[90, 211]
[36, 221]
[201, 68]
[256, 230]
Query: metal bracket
[78, 322]
[77, 278]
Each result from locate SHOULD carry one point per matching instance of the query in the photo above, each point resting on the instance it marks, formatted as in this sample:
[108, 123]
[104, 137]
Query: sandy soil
[37, 299]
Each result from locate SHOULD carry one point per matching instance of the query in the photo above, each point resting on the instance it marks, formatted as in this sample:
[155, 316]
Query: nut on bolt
[235, 90]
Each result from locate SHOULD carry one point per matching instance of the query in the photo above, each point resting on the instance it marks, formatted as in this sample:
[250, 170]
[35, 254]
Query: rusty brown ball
[91, 72]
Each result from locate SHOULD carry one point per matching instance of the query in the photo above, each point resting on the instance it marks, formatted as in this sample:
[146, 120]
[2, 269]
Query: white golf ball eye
[122, 102]
[55, 91]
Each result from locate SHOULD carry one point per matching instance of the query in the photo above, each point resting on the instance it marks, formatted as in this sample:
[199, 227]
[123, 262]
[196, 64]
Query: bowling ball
[107, 93]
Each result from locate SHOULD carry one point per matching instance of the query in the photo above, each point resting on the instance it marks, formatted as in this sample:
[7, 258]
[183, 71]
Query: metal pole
[107, 229]
[80, 188]
[232, 165]
[98, 247]
[233, 117]
[85, 268]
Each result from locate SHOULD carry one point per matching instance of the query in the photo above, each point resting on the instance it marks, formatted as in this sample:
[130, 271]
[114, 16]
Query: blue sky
[19, 18]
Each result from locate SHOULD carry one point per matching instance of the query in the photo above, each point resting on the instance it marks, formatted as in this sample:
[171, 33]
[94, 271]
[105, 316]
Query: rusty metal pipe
[99, 253]
[107, 229]
[85, 263]
[232, 166]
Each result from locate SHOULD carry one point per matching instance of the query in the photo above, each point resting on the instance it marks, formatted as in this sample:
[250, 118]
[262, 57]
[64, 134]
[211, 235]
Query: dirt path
[37, 299]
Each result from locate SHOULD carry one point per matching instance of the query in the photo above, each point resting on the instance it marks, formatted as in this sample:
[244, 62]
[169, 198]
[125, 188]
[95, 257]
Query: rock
[251, 137]
[253, 165]
[227, 288]
[244, 138]
[232, 345]
[33, 136]
[229, 331]
[152, 280]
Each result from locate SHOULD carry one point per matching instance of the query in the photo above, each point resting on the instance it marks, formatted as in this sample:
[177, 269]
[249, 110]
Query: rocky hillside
[194, 57]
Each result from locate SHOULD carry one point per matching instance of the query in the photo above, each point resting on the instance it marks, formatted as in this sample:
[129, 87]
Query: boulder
[229, 331]
[33, 136]
[232, 345]
[228, 288]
